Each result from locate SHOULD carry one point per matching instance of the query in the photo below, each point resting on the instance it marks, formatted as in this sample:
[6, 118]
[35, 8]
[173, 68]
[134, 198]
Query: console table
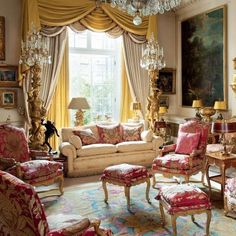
[221, 161]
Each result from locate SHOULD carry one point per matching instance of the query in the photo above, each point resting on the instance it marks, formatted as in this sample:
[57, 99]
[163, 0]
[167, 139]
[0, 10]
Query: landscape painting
[203, 46]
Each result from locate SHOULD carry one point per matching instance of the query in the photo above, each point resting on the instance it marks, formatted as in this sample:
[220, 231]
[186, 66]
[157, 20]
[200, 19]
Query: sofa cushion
[147, 135]
[96, 149]
[75, 141]
[109, 134]
[131, 133]
[187, 142]
[87, 136]
[133, 146]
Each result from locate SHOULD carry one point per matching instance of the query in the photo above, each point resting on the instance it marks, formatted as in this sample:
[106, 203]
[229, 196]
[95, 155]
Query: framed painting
[203, 57]
[8, 98]
[8, 76]
[166, 81]
[2, 38]
[164, 101]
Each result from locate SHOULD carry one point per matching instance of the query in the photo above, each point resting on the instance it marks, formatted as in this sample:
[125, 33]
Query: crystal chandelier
[153, 56]
[153, 61]
[139, 8]
[34, 50]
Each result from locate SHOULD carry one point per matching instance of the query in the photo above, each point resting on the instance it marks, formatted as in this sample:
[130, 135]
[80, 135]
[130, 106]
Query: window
[95, 73]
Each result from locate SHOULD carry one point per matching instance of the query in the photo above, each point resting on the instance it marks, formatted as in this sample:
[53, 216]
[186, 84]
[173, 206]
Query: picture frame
[8, 76]
[8, 98]
[164, 101]
[203, 57]
[167, 81]
[2, 38]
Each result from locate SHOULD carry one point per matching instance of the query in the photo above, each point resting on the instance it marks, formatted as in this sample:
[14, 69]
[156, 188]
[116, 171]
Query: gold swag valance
[95, 16]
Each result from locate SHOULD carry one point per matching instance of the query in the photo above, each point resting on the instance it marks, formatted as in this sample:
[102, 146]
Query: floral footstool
[181, 200]
[126, 175]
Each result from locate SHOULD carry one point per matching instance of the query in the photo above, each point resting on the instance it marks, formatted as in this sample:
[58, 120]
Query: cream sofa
[92, 159]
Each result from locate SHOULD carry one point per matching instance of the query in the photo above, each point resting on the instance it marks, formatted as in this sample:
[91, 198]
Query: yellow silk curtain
[58, 112]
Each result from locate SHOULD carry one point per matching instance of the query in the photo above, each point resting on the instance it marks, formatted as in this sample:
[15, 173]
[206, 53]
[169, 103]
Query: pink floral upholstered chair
[230, 197]
[15, 159]
[21, 213]
[187, 156]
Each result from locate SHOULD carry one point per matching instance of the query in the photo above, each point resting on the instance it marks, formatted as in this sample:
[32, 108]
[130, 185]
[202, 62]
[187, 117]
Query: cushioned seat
[184, 199]
[133, 146]
[126, 175]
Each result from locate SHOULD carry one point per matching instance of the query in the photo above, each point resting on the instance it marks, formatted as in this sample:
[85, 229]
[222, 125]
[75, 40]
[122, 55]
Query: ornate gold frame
[2, 38]
[7, 94]
[8, 76]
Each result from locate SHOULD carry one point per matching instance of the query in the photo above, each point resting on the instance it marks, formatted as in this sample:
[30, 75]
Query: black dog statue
[50, 131]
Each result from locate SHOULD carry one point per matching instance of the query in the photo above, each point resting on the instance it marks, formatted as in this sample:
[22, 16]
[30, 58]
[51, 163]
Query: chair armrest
[196, 152]
[157, 141]
[6, 163]
[68, 150]
[168, 148]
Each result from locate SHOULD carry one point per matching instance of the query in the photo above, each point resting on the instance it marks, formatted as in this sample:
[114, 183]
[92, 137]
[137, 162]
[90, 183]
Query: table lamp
[136, 106]
[197, 104]
[220, 106]
[162, 112]
[223, 128]
[78, 104]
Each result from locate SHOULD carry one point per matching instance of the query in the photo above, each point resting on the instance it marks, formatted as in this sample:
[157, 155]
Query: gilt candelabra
[153, 61]
[34, 53]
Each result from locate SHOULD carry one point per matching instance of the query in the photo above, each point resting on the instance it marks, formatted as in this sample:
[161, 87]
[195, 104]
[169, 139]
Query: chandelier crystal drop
[34, 50]
[139, 8]
[152, 56]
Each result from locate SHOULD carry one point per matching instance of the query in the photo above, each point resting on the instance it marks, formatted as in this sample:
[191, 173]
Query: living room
[168, 27]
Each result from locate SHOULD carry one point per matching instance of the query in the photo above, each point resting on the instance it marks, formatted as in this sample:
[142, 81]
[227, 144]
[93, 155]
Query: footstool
[183, 199]
[126, 175]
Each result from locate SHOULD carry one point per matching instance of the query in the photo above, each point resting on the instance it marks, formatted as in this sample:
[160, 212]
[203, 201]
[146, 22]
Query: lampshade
[162, 110]
[220, 105]
[135, 106]
[223, 127]
[78, 103]
[197, 103]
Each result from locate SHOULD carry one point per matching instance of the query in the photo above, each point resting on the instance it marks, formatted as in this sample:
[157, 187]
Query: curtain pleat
[58, 112]
[137, 77]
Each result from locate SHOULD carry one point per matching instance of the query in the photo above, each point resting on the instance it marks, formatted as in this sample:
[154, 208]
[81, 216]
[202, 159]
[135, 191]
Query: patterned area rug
[144, 218]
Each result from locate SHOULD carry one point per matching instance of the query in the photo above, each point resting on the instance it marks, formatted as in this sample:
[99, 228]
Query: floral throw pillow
[131, 133]
[187, 142]
[87, 136]
[109, 134]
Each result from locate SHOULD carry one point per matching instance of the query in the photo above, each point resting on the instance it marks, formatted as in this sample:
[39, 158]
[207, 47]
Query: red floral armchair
[15, 159]
[21, 213]
[187, 156]
[230, 197]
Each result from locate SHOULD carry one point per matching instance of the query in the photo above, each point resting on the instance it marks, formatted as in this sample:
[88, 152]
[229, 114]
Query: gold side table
[221, 161]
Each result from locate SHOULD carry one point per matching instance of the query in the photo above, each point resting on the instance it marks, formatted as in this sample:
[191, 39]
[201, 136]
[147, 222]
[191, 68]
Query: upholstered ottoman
[126, 175]
[183, 199]
[230, 197]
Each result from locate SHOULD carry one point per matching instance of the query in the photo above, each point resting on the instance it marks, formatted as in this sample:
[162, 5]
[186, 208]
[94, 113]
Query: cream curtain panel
[137, 77]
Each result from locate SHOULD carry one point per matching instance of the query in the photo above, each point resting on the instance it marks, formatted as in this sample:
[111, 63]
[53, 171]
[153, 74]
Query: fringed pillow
[109, 134]
[131, 133]
[87, 136]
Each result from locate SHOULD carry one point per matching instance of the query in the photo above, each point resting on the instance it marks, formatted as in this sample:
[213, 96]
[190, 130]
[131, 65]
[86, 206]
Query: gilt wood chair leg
[105, 191]
[162, 214]
[127, 195]
[208, 222]
[173, 221]
[147, 190]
